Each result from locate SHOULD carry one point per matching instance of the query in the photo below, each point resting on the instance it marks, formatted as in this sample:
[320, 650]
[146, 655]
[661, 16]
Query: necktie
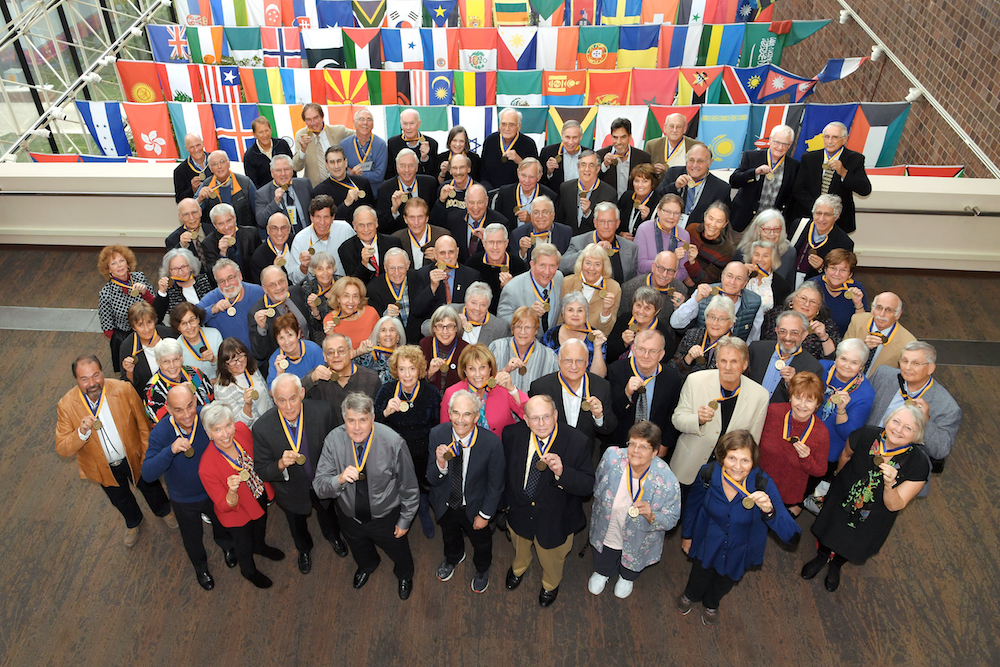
[362, 504]
[473, 244]
[455, 470]
[827, 178]
[545, 316]
[641, 408]
[447, 289]
[868, 364]
[534, 475]
[690, 199]
[374, 262]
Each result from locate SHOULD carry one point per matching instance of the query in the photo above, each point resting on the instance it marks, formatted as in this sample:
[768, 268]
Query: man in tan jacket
[312, 141]
[103, 423]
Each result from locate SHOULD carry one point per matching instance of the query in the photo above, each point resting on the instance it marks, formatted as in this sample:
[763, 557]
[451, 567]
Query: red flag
[940, 171]
[346, 86]
[653, 86]
[341, 114]
[608, 86]
[151, 130]
[583, 10]
[45, 157]
[899, 170]
[781, 27]
[140, 81]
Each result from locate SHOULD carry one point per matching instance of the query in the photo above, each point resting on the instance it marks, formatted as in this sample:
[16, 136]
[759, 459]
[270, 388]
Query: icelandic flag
[169, 43]
[104, 120]
[838, 68]
[232, 127]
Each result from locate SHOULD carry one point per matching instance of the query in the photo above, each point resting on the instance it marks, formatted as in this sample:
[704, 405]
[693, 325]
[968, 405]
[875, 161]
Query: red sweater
[214, 469]
[780, 460]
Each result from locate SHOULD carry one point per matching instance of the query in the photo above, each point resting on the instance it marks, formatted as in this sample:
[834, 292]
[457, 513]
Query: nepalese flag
[168, 43]
[779, 82]
[282, 47]
[432, 88]
[403, 13]
[196, 118]
[221, 84]
[476, 88]
[104, 120]
[441, 13]
[232, 127]
[335, 13]
[516, 48]
[440, 48]
[838, 68]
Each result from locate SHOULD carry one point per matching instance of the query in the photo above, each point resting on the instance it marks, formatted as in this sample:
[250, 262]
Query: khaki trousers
[551, 560]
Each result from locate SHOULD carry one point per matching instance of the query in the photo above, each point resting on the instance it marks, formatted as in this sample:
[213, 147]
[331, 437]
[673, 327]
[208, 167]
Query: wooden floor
[73, 595]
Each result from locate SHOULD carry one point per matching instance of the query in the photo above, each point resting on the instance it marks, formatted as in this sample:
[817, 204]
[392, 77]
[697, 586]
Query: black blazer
[269, 442]
[625, 208]
[506, 200]
[667, 391]
[142, 372]
[257, 166]
[715, 189]
[599, 387]
[458, 228]
[174, 240]
[339, 193]
[404, 239]
[610, 176]
[262, 258]
[558, 176]
[837, 238]
[350, 256]
[556, 512]
[426, 189]
[396, 144]
[247, 242]
[474, 158]
[421, 302]
[560, 237]
[495, 170]
[749, 186]
[183, 173]
[616, 347]
[809, 183]
[464, 276]
[263, 346]
[491, 274]
[760, 355]
[484, 478]
[569, 205]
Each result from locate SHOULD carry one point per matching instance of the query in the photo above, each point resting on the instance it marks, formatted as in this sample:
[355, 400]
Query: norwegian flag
[233, 128]
[221, 84]
[282, 47]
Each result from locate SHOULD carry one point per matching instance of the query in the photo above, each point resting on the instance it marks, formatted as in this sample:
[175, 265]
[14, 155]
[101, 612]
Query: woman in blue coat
[725, 522]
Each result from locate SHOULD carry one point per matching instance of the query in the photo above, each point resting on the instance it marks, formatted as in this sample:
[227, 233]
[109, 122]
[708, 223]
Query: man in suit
[624, 253]
[618, 159]
[513, 201]
[284, 194]
[765, 178]
[104, 424]
[366, 468]
[274, 250]
[714, 402]
[418, 237]
[881, 332]
[545, 506]
[447, 284]
[482, 327]
[671, 149]
[399, 293]
[367, 154]
[191, 233]
[693, 183]
[503, 151]
[773, 365]
[257, 161]
[466, 226]
[538, 288]
[560, 159]
[644, 388]
[425, 149]
[228, 240]
[279, 298]
[363, 255]
[324, 234]
[662, 277]
[542, 228]
[814, 239]
[578, 197]
[466, 486]
[835, 170]
[732, 285]
[331, 383]
[312, 141]
[348, 191]
[404, 185]
[226, 187]
[288, 442]
[571, 387]
[495, 264]
[189, 174]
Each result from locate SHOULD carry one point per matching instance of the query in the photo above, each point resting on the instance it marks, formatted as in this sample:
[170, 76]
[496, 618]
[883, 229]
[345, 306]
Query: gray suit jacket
[945, 413]
[495, 329]
[265, 206]
[520, 292]
[629, 252]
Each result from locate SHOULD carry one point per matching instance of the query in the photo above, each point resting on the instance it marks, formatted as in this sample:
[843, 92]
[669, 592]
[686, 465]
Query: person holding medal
[418, 237]
[619, 160]
[324, 234]
[226, 187]
[513, 201]
[363, 255]
[228, 307]
[447, 279]
[823, 337]
[443, 347]
[347, 190]
[374, 352]
[352, 316]
[540, 229]
[504, 150]
[636, 501]
[560, 159]
[521, 355]
[237, 491]
[457, 144]
[339, 376]
[137, 351]
[769, 225]
[579, 197]
[125, 286]
[575, 326]
[538, 288]
[502, 403]
[661, 278]
[495, 264]
[180, 280]
[671, 149]
[274, 251]
[765, 281]
[623, 254]
[257, 160]
[732, 285]
[311, 142]
[637, 203]
[199, 344]
[227, 240]
[424, 148]
[294, 354]
[172, 372]
[191, 233]
[815, 237]
[398, 293]
[367, 154]
[478, 324]
[316, 288]
[881, 331]
[764, 178]
[844, 296]
[697, 350]
[453, 189]
[774, 365]
[189, 174]
[726, 518]
[399, 188]
[592, 276]
[664, 233]
[239, 383]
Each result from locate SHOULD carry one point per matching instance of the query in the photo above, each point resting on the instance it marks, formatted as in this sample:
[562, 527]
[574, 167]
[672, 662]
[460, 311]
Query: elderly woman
[137, 351]
[443, 348]
[200, 344]
[181, 280]
[239, 383]
[317, 288]
[411, 406]
[795, 442]
[769, 225]
[125, 287]
[647, 305]
[842, 295]
[521, 353]
[172, 372]
[696, 351]
[664, 233]
[880, 472]
[501, 402]
[478, 324]
[458, 144]
[635, 204]
[726, 517]
[294, 354]
[712, 246]
[636, 501]
[352, 317]
[592, 276]
[574, 324]
[823, 337]
[239, 495]
[374, 353]
[764, 278]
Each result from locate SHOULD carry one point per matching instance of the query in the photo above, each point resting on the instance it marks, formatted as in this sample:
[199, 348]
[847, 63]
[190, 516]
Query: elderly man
[549, 473]
[227, 187]
[813, 239]
[283, 194]
[425, 149]
[618, 159]
[452, 192]
[103, 423]
[582, 399]
[366, 468]
[189, 174]
[404, 185]
[228, 307]
[513, 201]
[397, 293]
[714, 402]
[881, 332]
[765, 178]
[624, 254]
[363, 255]
[466, 474]
[228, 240]
[418, 237]
[466, 226]
[559, 160]
[733, 285]
[773, 365]
[671, 149]
[541, 228]
[579, 197]
[503, 151]
[538, 288]
[348, 191]
[312, 141]
[324, 234]
[835, 170]
[340, 376]
[191, 233]
[274, 250]
[175, 448]
[446, 278]
[279, 298]
[693, 183]
[478, 324]
[257, 161]
[662, 277]
[496, 265]
[367, 155]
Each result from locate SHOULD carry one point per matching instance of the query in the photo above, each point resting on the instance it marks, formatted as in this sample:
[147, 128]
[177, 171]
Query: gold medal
[334, 376]
[748, 503]
[779, 364]
[97, 425]
[231, 311]
[254, 395]
[448, 455]
[770, 177]
[522, 370]
[634, 328]
[231, 240]
[882, 337]
[603, 293]
[468, 327]
[440, 266]
[713, 404]
[517, 208]
[361, 476]
[492, 382]
[404, 198]
[612, 252]
[541, 465]
[827, 167]
[312, 250]
[300, 459]
[591, 336]
[190, 385]
[285, 187]
[189, 452]
[503, 158]
[835, 399]
[614, 161]
[879, 460]
[546, 306]
[909, 401]
[687, 246]
[335, 321]
[533, 241]
[282, 364]
[585, 405]
[403, 406]
[700, 360]
[583, 195]
[452, 194]
[715, 291]
[633, 512]
[279, 261]
[792, 440]
[558, 158]
[244, 475]
[133, 291]
[269, 312]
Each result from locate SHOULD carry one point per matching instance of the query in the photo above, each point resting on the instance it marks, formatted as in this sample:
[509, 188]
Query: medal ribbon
[674, 150]
[522, 204]
[381, 352]
[637, 495]
[349, 184]
[396, 294]
[274, 304]
[739, 486]
[704, 342]
[407, 190]
[881, 450]
[284, 248]
[456, 445]
[636, 203]
[923, 390]
[872, 329]
[302, 351]
[523, 357]
[125, 286]
[195, 168]
[505, 267]
[599, 286]
[473, 322]
[593, 187]
[152, 342]
[836, 156]
[173, 383]
[614, 244]
[584, 386]
[774, 165]
[180, 434]
[323, 292]
[240, 461]
[787, 428]
[400, 396]
[760, 270]
[538, 292]
[837, 290]
[215, 185]
[504, 149]
[294, 440]
[722, 393]
[419, 244]
[249, 379]
[851, 386]
[649, 283]
[653, 325]
[434, 347]
[812, 236]
[542, 451]
[360, 465]
[479, 223]
[86, 402]
[777, 350]
[638, 374]
[357, 150]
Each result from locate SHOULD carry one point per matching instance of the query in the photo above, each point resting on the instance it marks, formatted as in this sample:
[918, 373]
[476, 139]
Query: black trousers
[299, 528]
[707, 586]
[364, 537]
[608, 563]
[248, 540]
[453, 524]
[123, 500]
[189, 522]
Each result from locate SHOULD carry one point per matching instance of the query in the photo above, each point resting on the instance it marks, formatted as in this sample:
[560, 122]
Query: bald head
[886, 309]
[182, 406]
[666, 259]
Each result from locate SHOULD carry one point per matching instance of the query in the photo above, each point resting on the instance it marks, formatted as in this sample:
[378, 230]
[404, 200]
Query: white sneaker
[597, 583]
[623, 588]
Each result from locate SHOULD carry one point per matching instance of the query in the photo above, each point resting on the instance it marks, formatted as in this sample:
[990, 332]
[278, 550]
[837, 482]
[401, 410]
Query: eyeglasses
[780, 144]
[770, 230]
[639, 446]
[236, 359]
[716, 318]
[445, 327]
[540, 419]
[226, 281]
[524, 327]
[917, 364]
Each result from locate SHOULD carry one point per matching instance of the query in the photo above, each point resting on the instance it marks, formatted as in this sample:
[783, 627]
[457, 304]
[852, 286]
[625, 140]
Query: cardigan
[214, 470]
[779, 458]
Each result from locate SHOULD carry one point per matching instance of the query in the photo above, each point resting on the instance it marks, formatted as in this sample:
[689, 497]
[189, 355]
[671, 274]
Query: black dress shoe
[513, 581]
[360, 578]
[339, 546]
[205, 580]
[832, 580]
[230, 557]
[258, 579]
[272, 553]
[405, 588]
[546, 598]
[815, 566]
[305, 562]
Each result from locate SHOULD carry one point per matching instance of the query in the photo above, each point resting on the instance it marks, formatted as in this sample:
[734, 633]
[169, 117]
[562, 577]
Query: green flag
[559, 115]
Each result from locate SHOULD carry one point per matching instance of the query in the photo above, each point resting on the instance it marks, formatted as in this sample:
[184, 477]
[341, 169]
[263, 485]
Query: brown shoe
[131, 536]
[170, 520]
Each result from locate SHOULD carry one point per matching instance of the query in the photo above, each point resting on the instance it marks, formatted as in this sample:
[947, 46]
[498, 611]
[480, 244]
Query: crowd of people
[486, 343]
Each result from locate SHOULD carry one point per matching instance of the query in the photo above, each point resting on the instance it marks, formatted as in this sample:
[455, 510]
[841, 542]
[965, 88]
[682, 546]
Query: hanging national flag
[557, 48]
[180, 82]
[334, 13]
[608, 87]
[282, 47]
[597, 47]
[233, 129]
[139, 80]
[658, 116]
[104, 120]
[742, 85]
[658, 12]
[938, 171]
[58, 158]
[151, 131]
[699, 85]
[581, 12]
[511, 12]
[818, 116]
[690, 12]
[533, 124]
[516, 47]
[440, 48]
[762, 11]
[221, 84]
[549, 13]
[432, 88]
[369, 13]
[194, 12]
[566, 88]
[637, 46]
[403, 48]
[302, 85]
[285, 119]
[720, 45]
[168, 43]
[207, 45]
[301, 13]
[106, 159]
[479, 123]
[620, 12]
[346, 86]
[476, 88]
[245, 46]
[262, 85]
[476, 13]
[230, 12]
[765, 117]
[385, 87]
[876, 131]
[324, 47]
[557, 115]
[434, 122]
[653, 86]
[363, 48]
[519, 89]
[779, 82]
[262, 13]
[193, 118]
[670, 52]
[763, 43]
[441, 13]
[726, 12]
[477, 49]
[838, 68]
[724, 129]
[403, 14]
